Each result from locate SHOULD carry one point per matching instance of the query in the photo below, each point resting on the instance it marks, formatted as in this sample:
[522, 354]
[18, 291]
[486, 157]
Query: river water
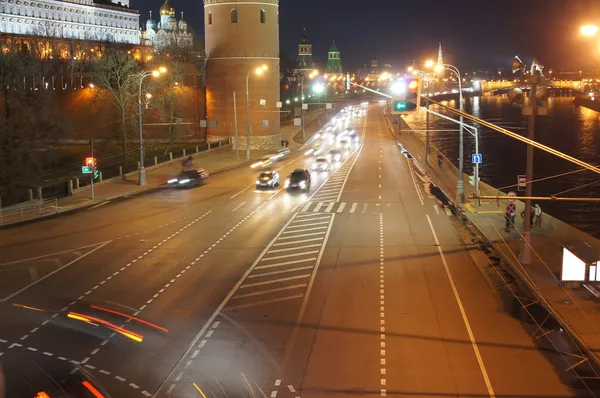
[568, 128]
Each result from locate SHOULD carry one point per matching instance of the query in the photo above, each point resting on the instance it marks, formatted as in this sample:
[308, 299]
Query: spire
[440, 59]
[182, 15]
[150, 14]
[305, 37]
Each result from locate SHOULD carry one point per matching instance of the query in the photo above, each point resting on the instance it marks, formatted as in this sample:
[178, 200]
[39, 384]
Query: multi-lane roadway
[360, 286]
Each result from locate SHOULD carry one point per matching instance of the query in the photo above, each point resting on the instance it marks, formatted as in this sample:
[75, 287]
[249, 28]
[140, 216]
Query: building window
[234, 16]
[210, 17]
[263, 16]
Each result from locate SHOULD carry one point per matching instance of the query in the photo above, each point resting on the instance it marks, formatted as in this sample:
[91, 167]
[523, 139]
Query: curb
[111, 198]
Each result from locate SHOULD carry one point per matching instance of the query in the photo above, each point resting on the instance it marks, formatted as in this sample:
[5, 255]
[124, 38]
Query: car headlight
[185, 181]
[302, 184]
[287, 183]
[172, 181]
[257, 182]
[337, 157]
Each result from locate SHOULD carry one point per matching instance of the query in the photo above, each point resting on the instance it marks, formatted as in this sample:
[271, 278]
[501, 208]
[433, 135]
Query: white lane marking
[289, 255]
[310, 225]
[50, 254]
[239, 206]
[317, 207]
[303, 235]
[54, 272]
[412, 175]
[382, 303]
[242, 191]
[222, 305]
[328, 209]
[285, 271]
[304, 230]
[290, 278]
[294, 248]
[286, 263]
[364, 210]
[296, 207]
[297, 241]
[437, 211]
[278, 289]
[307, 295]
[308, 216]
[275, 194]
[341, 208]
[259, 303]
[353, 207]
[315, 218]
[305, 208]
[484, 373]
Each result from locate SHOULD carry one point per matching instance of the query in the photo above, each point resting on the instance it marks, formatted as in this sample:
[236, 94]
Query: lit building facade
[304, 63]
[108, 20]
[168, 31]
[240, 37]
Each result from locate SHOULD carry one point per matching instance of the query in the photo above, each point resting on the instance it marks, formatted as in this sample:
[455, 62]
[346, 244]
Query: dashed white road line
[239, 206]
[382, 348]
[463, 313]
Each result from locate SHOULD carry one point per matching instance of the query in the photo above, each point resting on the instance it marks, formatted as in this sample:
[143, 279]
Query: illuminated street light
[589, 30]
[398, 87]
[319, 88]
[143, 75]
[429, 64]
[259, 71]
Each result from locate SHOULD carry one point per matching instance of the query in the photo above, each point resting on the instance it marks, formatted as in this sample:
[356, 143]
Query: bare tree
[114, 74]
[27, 118]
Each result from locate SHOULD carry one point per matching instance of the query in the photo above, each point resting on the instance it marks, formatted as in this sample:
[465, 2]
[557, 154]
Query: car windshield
[266, 175]
[297, 174]
[321, 160]
[189, 174]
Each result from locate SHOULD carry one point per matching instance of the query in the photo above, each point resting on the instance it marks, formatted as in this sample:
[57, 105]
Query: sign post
[512, 197]
[522, 182]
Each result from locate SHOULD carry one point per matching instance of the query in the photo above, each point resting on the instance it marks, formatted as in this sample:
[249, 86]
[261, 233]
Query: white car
[321, 164]
[267, 179]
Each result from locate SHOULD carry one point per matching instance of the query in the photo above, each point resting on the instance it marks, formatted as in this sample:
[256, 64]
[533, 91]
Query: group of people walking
[535, 216]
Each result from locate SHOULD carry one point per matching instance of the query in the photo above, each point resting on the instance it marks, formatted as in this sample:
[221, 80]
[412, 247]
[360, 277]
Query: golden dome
[167, 9]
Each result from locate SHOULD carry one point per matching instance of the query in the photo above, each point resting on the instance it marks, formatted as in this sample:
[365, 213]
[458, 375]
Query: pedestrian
[537, 212]
[531, 216]
[287, 143]
[188, 163]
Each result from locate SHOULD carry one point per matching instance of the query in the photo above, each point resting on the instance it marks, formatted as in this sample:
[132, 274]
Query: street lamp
[312, 75]
[258, 71]
[460, 185]
[143, 75]
[589, 30]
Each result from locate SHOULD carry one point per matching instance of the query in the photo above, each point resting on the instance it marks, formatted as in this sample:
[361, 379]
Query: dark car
[299, 179]
[190, 178]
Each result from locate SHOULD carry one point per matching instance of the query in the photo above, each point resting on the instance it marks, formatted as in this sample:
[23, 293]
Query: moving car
[334, 156]
[321, 164]
[189, 178]
[267, 179]
[299, 179]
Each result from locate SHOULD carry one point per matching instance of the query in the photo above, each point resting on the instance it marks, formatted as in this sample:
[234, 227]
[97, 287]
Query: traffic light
[90, 162]
[96, 174]
[406, 95]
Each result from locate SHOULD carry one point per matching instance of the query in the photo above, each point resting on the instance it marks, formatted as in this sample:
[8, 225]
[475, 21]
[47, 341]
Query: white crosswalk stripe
[311, 209]
[283, 272]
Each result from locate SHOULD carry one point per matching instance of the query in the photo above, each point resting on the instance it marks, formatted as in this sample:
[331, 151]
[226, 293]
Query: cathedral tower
[304, 62]
[240, 37]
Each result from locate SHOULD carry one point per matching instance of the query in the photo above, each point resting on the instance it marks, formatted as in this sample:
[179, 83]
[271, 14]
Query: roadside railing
[29, 210]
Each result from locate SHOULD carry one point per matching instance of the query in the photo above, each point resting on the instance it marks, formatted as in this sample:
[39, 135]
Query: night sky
[474, 33]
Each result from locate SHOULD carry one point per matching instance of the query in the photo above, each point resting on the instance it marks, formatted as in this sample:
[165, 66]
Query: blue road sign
[86, 169]
[476, 158]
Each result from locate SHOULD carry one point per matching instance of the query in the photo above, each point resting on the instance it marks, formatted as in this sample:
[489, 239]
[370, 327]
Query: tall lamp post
[460, 185]
[143, 75]
[426, 79]
[310, 76]
[258, 71]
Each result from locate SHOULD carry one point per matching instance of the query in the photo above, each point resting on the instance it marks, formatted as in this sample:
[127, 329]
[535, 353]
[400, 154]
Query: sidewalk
[574, 307]
[293, 134]
[217, 160]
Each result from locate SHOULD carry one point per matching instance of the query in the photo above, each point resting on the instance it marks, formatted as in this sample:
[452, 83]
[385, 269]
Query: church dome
[183, 25]
[167, 9]
[151, 24]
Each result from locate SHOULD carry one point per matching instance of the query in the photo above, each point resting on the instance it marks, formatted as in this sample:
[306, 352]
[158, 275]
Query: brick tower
[240, 37]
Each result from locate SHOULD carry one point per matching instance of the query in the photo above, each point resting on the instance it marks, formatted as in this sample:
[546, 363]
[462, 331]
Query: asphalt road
[359, 287]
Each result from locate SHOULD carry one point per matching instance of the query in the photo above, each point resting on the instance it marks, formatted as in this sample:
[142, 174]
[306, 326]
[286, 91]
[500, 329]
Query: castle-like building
[304, 63]
[99, 20]
[240, 37]
[168, 31]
